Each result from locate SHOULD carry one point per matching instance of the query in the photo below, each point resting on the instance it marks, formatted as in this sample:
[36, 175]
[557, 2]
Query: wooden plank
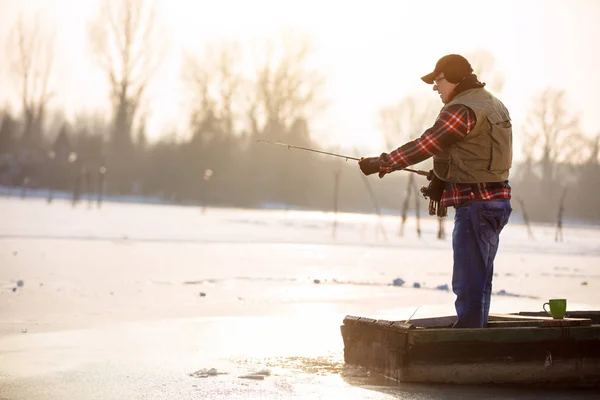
[382, 324]
[371, 345]
[583, 373]
[541, 324]
[504, 335]
[515, 317]
[567, 322]
[594, 315]
[365, 320]
[439, 322]
[509, 352]
[400, 326]
[351, 320]
[545, 321]
[507, 324]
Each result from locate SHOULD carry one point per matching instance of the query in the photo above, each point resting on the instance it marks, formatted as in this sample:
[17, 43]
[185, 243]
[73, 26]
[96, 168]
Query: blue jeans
[475, 239]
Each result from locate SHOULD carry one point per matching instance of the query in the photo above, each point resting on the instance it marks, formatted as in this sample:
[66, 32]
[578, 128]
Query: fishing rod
[291, 146]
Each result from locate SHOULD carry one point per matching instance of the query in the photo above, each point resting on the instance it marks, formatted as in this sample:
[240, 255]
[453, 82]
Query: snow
[119, 290]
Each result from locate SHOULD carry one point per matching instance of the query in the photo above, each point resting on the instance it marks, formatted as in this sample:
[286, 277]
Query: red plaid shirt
[452, 125]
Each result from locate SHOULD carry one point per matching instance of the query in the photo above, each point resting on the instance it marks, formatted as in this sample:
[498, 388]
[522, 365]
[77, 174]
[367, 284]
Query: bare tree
[485, 66]
[30, 53]
[558, 235]
[336, 196]
[8, 127]
[285, 94]
[407, 119]
[583, 201]
[128, 47]
[287, 86]
[525, 217]
[215, 85]
[401, 122]
[410, 189]
[215, 81]
[549, 132]
[593, 150]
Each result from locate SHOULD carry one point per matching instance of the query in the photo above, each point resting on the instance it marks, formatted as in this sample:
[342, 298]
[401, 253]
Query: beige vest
[485, 154]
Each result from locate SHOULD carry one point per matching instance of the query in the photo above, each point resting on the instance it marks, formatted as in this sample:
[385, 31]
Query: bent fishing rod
[291, 146]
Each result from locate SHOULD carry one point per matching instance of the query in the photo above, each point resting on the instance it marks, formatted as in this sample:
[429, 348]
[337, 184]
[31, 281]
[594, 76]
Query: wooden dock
[524, 348]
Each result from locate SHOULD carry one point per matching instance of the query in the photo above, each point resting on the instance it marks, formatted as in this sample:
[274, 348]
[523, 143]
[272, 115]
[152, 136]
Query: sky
[371, 53]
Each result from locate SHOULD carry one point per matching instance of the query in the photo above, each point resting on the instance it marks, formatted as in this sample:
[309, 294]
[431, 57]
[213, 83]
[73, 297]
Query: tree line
[218, 161]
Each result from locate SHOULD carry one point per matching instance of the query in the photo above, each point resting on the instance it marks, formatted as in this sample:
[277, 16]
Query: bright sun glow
[371, 53]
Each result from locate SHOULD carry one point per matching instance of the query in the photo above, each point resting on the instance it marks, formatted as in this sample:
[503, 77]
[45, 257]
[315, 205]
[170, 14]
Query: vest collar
[470, 82]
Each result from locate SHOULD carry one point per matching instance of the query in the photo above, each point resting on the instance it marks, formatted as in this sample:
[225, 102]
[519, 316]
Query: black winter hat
[454, 67]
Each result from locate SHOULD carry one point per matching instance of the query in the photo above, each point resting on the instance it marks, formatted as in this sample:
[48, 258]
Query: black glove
[369, 165]
[383, 159]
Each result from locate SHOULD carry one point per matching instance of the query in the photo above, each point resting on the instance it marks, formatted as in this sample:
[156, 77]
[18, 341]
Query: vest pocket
[501, 143]
[441, 165]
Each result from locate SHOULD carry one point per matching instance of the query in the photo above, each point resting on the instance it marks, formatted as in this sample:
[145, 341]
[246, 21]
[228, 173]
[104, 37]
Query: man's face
[444, 88]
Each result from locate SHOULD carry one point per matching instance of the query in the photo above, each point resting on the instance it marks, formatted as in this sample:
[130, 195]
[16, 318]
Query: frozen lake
[128, 300]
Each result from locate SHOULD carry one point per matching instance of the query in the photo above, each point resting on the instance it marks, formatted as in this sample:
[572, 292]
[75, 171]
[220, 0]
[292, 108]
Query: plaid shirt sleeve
[453, 124]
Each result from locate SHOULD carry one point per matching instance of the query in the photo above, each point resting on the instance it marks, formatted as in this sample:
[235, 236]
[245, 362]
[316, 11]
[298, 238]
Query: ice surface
[113, 302]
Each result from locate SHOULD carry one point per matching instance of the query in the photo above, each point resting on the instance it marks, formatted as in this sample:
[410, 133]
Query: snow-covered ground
[127, 300]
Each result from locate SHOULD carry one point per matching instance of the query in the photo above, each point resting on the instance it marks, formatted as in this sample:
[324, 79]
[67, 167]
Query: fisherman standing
[471, 146]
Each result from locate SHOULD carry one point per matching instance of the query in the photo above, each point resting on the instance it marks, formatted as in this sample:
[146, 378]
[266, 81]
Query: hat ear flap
[453, 77]
[457, 75]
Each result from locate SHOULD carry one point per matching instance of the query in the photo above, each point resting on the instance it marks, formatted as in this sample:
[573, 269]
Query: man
[471, 146]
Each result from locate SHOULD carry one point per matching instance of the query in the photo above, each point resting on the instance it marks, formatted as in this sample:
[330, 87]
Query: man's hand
[369, 165]
[385, 161]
